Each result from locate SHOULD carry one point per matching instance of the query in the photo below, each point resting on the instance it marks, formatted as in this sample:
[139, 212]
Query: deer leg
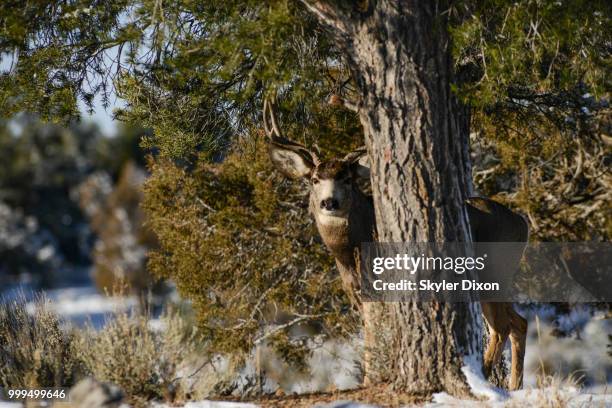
[498, 334]
[494, 350]
[518, 337]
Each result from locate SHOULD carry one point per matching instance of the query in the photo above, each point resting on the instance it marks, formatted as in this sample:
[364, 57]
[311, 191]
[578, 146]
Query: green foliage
[533, 47]
[55, 52]
[558, 178]
[238, 241]
[215, 65]
[537, 75]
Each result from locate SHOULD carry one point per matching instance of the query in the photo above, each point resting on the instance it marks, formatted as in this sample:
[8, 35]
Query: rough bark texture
[416, 134]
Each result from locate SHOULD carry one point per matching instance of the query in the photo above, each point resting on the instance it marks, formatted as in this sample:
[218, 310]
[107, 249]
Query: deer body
[345, 218]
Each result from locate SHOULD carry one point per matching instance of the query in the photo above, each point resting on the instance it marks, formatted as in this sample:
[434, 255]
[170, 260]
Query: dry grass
[552, 392]
[380, 395]
[34, 349]
[146, 363]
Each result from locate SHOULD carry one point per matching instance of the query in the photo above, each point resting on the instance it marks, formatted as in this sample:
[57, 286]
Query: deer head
[333, 183]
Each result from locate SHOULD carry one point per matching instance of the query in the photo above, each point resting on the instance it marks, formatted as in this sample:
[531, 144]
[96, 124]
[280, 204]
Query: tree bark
[416, 133]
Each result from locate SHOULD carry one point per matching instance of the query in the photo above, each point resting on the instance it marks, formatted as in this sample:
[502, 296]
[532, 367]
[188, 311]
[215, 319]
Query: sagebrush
[35, 350]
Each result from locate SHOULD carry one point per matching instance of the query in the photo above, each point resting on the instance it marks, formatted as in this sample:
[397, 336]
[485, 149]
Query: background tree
[47, 185]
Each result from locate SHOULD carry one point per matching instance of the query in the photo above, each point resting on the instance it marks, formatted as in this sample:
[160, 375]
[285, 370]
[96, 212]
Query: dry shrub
[165, 360]
[35, 351]
[145, 363]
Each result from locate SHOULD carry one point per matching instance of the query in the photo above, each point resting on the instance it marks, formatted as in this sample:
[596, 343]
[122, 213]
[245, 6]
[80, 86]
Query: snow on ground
[74, 297]
[491, 396]
[70, 302]
[332, 365]
[479, 385]
[82, 304]
[581, 351]
[569, 397]
[563, 397]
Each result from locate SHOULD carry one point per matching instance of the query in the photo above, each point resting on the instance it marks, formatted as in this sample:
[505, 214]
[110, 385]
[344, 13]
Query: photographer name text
[434, 286]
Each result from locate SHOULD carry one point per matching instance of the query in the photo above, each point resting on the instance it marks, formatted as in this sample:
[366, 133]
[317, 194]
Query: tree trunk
[416, 134]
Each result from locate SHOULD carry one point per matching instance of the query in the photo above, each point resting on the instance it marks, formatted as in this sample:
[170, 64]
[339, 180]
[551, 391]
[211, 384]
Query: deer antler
[356, 154]
[276, 137]
[274, 130]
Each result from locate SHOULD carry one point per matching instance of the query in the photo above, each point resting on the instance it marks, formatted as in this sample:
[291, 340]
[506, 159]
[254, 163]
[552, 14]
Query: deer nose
[329, 204]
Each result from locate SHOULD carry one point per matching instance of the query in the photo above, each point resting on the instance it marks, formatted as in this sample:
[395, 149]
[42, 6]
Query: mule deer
[344, 216]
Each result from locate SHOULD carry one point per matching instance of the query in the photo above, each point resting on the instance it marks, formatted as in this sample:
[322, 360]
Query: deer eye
[315, 181]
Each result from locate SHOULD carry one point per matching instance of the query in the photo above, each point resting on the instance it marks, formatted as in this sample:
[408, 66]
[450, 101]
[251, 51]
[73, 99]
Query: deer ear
[360, 164]
[292, 163]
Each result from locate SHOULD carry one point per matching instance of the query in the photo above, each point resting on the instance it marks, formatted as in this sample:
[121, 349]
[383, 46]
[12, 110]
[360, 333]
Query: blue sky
[103, 117]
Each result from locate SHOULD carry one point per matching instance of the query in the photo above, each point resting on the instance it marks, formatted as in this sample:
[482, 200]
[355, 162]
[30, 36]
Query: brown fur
[342, 240]
[333, 170]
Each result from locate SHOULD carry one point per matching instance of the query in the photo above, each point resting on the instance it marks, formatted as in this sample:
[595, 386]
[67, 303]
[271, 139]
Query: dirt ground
[379, 395]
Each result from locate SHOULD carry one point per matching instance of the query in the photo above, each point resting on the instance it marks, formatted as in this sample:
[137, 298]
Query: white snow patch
[219, 404]
[209, 404]
[345, 404]
[78, 301]
[567, 397]
[10, 404]
[93, 304]
[157, 325]
[478, 384]
[581, 352]
[334, 363]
